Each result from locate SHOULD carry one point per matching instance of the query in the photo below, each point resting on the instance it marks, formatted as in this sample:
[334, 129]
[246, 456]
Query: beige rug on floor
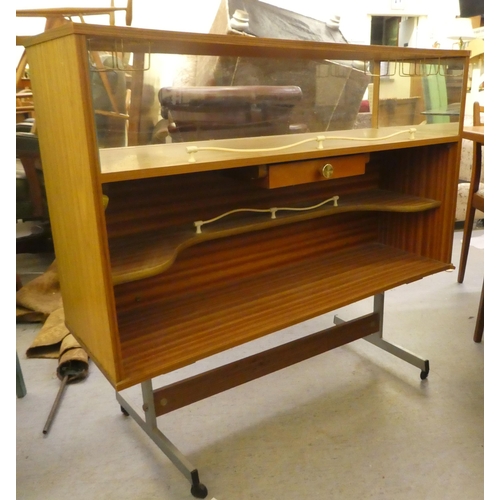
[40, 301]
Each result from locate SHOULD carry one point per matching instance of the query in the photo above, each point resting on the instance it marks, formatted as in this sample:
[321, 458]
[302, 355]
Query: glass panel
[187, 98]
[109, 84]
[421, 92]
[143, 98]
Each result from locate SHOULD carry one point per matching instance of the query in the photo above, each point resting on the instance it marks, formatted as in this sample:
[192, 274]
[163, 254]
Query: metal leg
[20, 385]
[149, 426]
[377, 339]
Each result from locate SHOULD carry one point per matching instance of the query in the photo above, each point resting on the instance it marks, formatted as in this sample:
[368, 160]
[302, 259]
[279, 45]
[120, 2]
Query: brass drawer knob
[327, 170]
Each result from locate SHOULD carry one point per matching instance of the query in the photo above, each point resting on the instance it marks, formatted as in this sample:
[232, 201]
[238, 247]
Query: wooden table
[475, 134]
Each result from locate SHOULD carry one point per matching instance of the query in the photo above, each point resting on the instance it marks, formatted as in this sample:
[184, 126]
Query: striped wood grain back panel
[212, 303]
[429, 172]
[155, 204]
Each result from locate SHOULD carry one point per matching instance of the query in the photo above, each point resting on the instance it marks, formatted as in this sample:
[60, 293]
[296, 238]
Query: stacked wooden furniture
[199, 250]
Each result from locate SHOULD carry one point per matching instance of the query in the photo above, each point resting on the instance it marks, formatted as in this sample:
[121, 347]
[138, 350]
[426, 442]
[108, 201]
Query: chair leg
[478, 332]
[468, 224]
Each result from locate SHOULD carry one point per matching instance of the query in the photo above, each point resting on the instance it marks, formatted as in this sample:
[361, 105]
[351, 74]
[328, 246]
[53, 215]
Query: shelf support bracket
[378, 340]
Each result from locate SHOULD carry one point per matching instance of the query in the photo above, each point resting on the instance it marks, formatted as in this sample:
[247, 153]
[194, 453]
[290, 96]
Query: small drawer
[321, 169]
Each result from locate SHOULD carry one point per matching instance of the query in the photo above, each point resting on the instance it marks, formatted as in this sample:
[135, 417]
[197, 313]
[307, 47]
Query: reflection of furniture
[110, 96]
[202, 113]
[438, 108]
[332, 90]
[474, 202]
[160, 295]
[398, 111]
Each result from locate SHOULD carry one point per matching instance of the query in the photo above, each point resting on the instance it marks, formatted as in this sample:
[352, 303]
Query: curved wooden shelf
[147, 254]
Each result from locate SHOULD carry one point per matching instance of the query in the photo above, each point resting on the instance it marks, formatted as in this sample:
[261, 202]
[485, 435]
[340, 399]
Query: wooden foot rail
[204, 385]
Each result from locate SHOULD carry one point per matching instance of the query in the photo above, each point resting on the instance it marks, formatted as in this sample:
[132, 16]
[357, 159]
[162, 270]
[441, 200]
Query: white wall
[187, 15]
[197, 15]
[355, 16]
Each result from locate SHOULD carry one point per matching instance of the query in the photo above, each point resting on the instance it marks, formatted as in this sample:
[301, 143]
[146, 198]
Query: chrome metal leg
[378, 340]
[148, 424]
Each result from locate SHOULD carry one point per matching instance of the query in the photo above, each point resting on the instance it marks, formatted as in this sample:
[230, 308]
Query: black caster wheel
[124, 411]
[425, 373]
[199, 490]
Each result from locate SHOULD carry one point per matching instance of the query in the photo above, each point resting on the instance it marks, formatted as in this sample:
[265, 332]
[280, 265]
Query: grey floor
[352, 424]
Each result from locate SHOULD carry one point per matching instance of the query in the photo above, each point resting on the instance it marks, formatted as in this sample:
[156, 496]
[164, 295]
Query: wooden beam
[204, 385]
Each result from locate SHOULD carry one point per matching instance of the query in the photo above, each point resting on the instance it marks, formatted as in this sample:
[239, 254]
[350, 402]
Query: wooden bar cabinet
[170, 252]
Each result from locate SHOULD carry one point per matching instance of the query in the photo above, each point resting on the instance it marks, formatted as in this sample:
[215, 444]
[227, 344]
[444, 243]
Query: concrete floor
[352, 424]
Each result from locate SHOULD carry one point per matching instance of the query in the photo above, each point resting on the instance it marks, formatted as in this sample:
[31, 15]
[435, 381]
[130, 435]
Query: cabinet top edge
[171, 159]
[185, 42]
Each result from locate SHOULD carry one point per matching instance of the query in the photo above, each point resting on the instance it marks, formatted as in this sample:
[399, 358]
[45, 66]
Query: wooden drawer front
[322, 169]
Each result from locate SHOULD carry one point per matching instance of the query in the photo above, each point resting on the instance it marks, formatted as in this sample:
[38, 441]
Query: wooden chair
[475, 202]
[60, 15]
[111, 103]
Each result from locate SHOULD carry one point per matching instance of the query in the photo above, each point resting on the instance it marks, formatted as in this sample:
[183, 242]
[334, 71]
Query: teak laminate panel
[300, 172]
[171, 42]
[148, 253]
[75, 198]
[158, 160]
[211, 382]
[430, 172]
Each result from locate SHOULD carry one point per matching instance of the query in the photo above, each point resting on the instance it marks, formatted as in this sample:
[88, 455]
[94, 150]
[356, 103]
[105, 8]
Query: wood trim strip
[204, 385]
[219, 45]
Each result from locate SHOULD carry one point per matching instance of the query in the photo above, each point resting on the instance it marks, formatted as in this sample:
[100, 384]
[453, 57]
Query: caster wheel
[425, 373]
[124, 411]
[199, 490]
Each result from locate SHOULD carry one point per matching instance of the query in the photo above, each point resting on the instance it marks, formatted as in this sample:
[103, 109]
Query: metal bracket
[378, 340]
[149, 426]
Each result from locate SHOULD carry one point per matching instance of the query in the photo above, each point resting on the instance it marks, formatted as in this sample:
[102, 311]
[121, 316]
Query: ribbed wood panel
[146, 254]
[156, 204]
[429, 172]
[172, 327]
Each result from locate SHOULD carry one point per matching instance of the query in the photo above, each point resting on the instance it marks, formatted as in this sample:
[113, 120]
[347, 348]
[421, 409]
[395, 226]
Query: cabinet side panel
[428, 172]
[69, 157]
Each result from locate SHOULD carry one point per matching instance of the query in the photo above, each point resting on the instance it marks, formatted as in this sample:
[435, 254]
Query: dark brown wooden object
[475, 202]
